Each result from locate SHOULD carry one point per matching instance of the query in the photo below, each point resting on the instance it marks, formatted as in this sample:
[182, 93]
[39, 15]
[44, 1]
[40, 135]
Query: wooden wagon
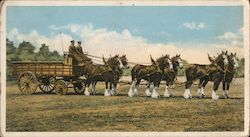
[48, 76]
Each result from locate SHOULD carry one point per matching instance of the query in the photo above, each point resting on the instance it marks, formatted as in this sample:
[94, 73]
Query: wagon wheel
[27, 82]
[61, 87]
[46, 84]
[79, 87]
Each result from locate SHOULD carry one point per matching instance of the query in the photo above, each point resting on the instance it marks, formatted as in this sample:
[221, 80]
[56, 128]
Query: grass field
[50, 112]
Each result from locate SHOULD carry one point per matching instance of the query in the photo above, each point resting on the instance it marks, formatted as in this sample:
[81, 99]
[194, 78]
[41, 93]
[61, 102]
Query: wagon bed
[43, 68]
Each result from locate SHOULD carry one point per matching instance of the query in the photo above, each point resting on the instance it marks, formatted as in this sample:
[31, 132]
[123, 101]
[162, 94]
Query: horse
[169, 76]
[117, 72]
[150, 73]
[229, 73]
[106, 73]
[213, 72]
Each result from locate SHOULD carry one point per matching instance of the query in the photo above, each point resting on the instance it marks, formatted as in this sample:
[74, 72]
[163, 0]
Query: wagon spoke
[46, 84]
[61, 87]
[27, 82]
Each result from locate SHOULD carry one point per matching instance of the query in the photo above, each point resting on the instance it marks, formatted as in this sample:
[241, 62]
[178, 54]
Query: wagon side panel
[43, 69]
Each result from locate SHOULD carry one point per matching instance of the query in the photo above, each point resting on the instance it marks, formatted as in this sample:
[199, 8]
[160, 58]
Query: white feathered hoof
[187, 94]
[86, 92]
[167, 94]
[155, 93]
[148, 93]
[106, 93]
[214, 95]
[136, 92]
[225, 94]
[130, 93]
[112, 92]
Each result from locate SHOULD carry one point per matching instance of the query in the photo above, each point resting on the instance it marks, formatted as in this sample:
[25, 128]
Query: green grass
[50, 112]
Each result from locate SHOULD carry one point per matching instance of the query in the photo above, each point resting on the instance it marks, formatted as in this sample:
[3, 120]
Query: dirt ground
[51, 112]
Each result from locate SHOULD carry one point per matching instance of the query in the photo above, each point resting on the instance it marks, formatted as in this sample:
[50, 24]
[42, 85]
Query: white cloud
[194, 25]
[228, 36]
[232, 39]
[102, 41]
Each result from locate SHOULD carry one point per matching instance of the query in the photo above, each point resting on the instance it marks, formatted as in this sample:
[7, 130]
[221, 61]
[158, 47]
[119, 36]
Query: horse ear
[226, 51]
[235, 53]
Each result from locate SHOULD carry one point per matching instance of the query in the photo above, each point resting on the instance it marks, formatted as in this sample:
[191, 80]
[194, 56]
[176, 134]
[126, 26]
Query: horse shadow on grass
[125, 95]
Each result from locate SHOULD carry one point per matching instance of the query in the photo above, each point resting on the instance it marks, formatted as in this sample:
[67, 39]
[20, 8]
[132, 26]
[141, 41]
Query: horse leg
[136, 87]
[187, 93]
[86, 92]
[199, 88]
[203, 87]
[111, 83]
[228, 85]
[224, 85]
[94, 87]
[131, 89]
[216, 85]
[148, 93]
[155, 93]
[171, 88]
[106, 92]
[225, 89]
[113, 90]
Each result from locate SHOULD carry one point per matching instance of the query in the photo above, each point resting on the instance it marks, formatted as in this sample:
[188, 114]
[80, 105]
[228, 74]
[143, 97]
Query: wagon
[49, 76]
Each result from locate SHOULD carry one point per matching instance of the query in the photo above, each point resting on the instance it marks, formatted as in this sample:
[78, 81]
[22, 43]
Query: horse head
[233, 61]
[177, 61]
[124, 61]
[221, 59]
[164, 62]
[225, 57]
[117, 62]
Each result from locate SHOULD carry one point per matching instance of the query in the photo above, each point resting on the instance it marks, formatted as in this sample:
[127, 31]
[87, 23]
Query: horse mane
[112, 62]
[161, 61]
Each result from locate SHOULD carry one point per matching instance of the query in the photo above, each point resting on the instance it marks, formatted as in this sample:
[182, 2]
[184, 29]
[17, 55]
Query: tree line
[25, 51]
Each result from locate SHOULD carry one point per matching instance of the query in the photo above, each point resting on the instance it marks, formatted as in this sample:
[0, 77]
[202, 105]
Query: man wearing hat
[72, 48]
[80, 53]
[79, 48]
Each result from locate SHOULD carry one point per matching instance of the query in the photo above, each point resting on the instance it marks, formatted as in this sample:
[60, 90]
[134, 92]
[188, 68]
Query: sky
[137, 31]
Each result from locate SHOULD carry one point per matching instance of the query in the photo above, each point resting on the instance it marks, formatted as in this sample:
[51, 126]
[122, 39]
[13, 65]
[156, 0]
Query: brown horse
[229, 73]
[169, 76]
[150, 73]
[213, 72]
[106, 73]
[117, 71]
